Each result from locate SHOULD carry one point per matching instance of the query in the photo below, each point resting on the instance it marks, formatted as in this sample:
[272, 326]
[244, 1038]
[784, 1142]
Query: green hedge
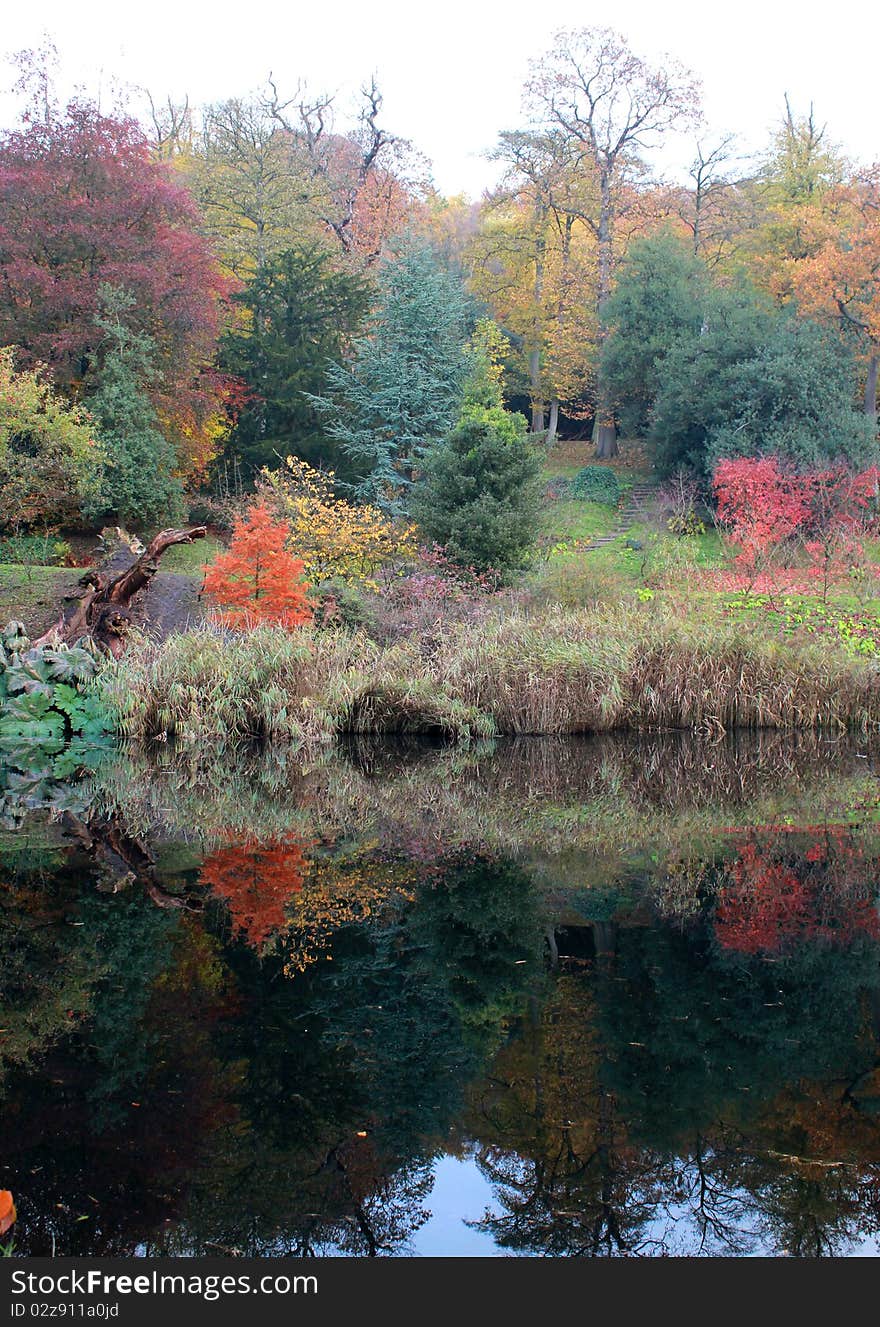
[596, 483]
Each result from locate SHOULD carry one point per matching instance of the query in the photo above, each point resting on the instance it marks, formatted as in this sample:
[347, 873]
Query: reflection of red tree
[257, 881]
[775, 896]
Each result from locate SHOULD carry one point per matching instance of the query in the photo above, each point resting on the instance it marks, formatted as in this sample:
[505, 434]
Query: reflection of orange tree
[779, 891]
[257, 882]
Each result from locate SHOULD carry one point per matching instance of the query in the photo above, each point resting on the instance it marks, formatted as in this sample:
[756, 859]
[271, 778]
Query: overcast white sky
[452, 72]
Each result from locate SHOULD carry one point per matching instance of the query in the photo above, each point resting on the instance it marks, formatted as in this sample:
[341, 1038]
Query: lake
[611, 997]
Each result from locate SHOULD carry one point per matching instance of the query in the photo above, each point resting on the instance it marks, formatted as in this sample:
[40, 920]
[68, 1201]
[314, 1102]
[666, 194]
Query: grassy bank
[557, 672]
[34, 595]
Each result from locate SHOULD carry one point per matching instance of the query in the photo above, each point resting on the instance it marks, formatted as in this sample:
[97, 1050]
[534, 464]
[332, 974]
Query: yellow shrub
[334, 538]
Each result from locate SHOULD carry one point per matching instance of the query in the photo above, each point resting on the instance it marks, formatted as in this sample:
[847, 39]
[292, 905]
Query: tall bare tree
[611, 106]
[341, 166]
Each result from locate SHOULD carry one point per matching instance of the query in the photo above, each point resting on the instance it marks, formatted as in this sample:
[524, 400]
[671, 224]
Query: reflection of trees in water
[615, 791]
[257, 881]
[786, 886]
[102, 1131]
[207, 1101]
[550, 1140]
[662, 1094]
[669, 1098]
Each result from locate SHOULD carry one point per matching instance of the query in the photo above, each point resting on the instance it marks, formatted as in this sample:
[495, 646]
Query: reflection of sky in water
[460, 1194]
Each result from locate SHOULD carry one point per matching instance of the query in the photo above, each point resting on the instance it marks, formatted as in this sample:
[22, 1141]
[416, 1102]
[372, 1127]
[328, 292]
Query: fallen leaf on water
[7, 1211]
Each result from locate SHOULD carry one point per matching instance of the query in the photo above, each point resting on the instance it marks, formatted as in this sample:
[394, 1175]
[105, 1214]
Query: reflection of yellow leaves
[338, 894]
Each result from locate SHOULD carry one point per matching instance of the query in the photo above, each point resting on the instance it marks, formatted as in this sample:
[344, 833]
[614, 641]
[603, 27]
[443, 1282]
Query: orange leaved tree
[256, 579]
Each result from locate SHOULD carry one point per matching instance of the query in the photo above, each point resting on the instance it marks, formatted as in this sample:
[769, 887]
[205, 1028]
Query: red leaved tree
[769, 510]
[256, 580]
[83, 204]
[760, 505]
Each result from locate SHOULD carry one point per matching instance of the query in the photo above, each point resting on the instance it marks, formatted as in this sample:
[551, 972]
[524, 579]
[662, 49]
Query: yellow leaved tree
[336, 540]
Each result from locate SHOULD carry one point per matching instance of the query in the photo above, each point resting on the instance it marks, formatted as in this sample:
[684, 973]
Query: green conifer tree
[403, 390]
[138, 485]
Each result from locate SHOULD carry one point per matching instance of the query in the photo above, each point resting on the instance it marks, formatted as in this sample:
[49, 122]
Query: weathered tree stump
[103, 608]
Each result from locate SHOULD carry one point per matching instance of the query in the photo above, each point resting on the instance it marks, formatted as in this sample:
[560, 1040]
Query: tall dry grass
[560, 672]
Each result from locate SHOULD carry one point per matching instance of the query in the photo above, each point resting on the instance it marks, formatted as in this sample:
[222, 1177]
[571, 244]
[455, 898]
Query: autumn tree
[362, 178]
[532, 261]
[795, 178]
[609, 106]
[718, 207]
[839, 280]
[257, 579]
[50, 457]
[767, 507]
[83, 204]
[336, 539]
[248, 179]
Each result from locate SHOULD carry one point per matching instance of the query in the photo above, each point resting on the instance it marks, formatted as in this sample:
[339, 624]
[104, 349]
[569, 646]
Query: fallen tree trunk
[103, 608]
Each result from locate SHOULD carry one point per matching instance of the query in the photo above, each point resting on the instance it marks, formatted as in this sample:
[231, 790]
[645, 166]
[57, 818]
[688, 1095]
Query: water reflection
[569, 999]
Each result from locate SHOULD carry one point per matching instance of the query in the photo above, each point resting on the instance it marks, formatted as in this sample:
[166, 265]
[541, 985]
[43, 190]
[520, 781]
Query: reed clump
[560, 672]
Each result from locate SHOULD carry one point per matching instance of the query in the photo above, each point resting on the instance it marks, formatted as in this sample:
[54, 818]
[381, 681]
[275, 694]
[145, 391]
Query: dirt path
[171, 604]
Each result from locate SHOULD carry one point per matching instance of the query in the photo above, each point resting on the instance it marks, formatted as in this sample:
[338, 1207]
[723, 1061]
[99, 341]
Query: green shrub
[596, 483]
[478, 493]
[46, 696]
[34, 550]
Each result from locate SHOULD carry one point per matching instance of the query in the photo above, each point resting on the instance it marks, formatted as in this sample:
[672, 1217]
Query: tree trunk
[103, 608]
[535, 391]
[122, 859]
[605, 938]
[553, 424]
[605, 440]
[604, 431]
[535, 385]
[871, 387]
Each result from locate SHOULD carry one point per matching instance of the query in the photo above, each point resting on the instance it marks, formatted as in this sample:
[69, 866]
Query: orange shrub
[256, 580]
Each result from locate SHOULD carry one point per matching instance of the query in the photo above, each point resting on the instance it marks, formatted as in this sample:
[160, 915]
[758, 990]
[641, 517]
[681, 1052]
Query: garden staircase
[638, 498]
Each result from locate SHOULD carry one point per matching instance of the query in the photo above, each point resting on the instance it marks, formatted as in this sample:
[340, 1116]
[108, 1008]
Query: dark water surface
[544, 998]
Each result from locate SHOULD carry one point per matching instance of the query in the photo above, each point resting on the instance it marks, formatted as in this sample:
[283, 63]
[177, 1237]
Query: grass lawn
[190, 559]
[570, 520]
[33, 595]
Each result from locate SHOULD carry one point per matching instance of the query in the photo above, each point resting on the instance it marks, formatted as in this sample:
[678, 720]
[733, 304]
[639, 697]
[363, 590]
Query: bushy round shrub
[596, 483]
